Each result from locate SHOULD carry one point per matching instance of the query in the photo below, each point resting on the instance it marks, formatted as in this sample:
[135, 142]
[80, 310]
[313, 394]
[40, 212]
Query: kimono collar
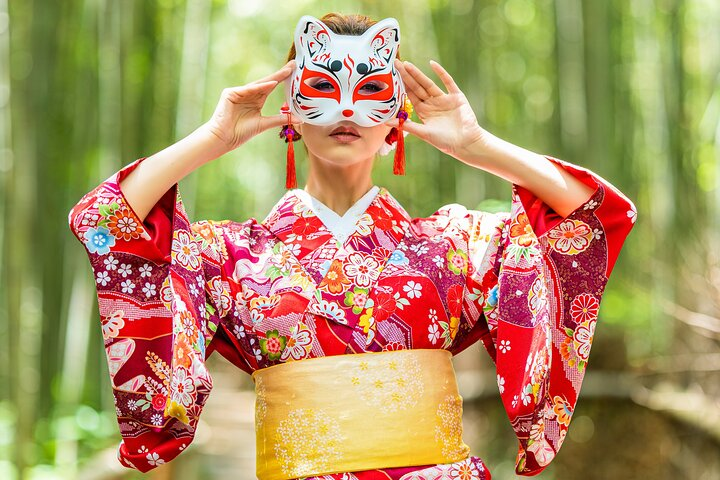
[291, 219]
[344, 225]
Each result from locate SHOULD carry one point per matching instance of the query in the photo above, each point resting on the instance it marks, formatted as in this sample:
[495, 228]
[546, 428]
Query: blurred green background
[627, 88]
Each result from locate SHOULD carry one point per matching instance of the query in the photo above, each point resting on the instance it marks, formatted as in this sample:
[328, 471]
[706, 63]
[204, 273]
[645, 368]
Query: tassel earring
[290, 135]
[399, 161]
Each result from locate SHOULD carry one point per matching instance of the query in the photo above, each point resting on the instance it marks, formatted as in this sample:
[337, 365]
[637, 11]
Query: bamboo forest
[627, 88]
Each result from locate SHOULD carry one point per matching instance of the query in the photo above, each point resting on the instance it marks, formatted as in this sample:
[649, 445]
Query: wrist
[208, 143]
[478, 148]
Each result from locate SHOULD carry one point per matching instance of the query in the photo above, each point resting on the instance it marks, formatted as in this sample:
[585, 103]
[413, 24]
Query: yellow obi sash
[346, 413]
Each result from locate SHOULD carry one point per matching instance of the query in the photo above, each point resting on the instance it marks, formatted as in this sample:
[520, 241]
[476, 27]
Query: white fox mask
[345, 77]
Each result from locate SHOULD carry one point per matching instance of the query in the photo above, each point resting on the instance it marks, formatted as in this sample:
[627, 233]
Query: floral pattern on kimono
[526, 283]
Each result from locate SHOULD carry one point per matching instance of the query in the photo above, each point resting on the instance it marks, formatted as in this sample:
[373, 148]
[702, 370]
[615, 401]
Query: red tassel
[399, 163]
[290, 179]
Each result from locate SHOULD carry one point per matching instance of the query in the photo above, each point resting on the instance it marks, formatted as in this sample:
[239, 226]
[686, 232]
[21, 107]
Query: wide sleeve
[161, 298]
[532, 297]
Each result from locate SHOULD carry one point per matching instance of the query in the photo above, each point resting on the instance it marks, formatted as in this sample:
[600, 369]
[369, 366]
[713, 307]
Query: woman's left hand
[448, 120]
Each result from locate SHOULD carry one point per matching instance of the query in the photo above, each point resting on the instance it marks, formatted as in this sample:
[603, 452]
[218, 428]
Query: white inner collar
[341, 227]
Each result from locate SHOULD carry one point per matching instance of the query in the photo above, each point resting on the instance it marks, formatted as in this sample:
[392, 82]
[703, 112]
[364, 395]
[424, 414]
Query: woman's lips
[344, 137]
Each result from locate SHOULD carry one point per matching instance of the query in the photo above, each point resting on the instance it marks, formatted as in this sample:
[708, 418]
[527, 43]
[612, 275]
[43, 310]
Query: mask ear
[311, 36]
[383, 39]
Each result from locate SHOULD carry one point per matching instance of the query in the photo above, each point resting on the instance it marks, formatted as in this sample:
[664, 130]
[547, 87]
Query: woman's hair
[353, 24]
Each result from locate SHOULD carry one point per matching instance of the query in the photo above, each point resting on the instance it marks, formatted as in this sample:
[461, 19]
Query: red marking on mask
[347, 113]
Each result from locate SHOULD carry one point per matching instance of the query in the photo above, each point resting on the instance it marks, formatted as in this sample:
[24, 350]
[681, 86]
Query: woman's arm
[449, 124]
[146, 184]
[237, 118]
[547, 180]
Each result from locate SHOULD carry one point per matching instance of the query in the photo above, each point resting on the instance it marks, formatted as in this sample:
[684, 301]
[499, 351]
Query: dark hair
[353, 24]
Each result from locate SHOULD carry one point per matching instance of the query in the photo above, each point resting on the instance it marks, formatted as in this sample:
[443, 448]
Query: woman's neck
[338, 187]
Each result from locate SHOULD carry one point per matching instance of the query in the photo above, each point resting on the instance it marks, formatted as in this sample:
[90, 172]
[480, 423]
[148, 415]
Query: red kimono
[527, 283]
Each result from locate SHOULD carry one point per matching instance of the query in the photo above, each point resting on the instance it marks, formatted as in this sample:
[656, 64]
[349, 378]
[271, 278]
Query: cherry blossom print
[298, 344]
[99, 240]
[413, 289]
[183, 387]
[583, 337]
[335, 280]
[570, 237]
[185, 251]
[361, 269]
[457, 261]
[562, 410]
[524, 284]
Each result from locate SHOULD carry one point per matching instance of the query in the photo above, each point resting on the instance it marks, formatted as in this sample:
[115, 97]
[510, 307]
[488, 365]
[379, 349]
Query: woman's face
[343, 148]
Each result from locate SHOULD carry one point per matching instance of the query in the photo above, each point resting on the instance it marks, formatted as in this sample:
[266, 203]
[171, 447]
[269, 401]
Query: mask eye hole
[372, 87]
[320, 84]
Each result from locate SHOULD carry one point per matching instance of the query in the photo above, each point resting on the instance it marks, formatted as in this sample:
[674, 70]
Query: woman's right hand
[237, 117]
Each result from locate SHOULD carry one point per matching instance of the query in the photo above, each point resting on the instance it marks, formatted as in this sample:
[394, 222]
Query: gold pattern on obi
[312, 415]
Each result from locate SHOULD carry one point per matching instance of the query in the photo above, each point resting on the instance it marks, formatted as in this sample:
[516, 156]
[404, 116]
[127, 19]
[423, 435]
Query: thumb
[417, 129]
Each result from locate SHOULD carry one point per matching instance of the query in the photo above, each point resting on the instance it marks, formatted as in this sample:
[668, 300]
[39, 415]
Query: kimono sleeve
[160, 296]
[537, 279]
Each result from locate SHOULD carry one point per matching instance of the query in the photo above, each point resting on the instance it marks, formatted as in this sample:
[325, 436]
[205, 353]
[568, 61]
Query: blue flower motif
[98, 240]
[398, 258]
[493, 296]
[325, 267]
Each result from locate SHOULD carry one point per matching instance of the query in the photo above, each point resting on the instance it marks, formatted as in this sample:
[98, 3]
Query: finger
[422, 79]
[445, 77]
[279, 75]
[242, 93]
[279, 120]
[414, 99]
[412, 86]
[414, 128]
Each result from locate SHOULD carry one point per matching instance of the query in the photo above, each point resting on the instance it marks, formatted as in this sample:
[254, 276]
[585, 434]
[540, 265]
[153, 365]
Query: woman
[301, 292]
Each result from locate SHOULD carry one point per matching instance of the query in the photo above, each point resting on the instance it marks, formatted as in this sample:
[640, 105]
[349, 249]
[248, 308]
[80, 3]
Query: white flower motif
[157, 419]
[149, 289]
[504, 346]
[143, 449]
[432, 315]
[515, 400]
[154, 459]
[125, 269]
[131, 404]
[193, 289]
[597, 233]
[128, 286]
[632, 214]
[413, 289]
[526, 394]
[111, 263]
[145, 270]
[102, 278]
[419, 249]
[239, 330]
[433, 333]
[439, 261]
[501, 383]
[590, 204]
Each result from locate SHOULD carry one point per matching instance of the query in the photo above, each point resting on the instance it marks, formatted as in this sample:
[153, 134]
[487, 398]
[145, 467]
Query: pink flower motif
[570, 237]
[584, 308]
[361, 269]
[542, 451]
